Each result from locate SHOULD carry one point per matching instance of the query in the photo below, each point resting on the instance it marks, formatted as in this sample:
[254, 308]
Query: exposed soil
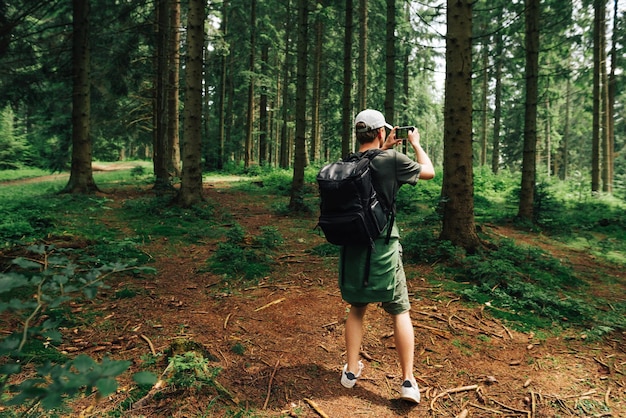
[290, 327]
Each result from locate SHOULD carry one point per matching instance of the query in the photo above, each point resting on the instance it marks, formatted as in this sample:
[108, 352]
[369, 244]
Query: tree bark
[173, 125]
[263, 115]
[162, 151]
[285, 160]
[604, 118]
[529, 163]
[484, 105]
[222, 91]
[346, 95]
[390, 62]
[598, 26]
[316, 127]
[458, 178]
[81, 176]
[191, 182]
[296, 202]
[362, 76]
[497, 112]
[611, 100]
[250, 115]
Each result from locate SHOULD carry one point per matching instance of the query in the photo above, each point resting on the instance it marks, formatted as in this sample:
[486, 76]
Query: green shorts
[400, 303]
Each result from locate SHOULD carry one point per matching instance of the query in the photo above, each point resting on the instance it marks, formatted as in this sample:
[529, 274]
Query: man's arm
[428, 171]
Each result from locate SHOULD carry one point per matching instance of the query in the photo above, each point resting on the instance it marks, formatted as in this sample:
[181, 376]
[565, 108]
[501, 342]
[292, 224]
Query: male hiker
[390, 170]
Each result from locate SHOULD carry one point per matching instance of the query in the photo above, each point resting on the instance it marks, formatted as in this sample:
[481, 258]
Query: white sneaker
[410, 391]
[348, 379]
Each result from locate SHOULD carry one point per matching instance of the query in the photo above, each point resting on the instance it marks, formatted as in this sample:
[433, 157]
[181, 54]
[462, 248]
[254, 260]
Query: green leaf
[26, 264]
[145, 378]
[90, 292]
[9, 282]
[114, 368]
[106, 386]
[83, 363]
[10, 368]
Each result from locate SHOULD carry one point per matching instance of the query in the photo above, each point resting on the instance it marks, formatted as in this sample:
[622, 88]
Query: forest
[158, 205]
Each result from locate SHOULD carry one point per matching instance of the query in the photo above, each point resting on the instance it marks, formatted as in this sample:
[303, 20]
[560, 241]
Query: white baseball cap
[372, 119]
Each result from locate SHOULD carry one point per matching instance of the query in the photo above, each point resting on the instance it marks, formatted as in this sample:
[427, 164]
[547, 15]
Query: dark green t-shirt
[390, 170]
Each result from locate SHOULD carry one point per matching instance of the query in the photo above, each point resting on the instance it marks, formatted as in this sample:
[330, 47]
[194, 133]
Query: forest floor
[279, 343]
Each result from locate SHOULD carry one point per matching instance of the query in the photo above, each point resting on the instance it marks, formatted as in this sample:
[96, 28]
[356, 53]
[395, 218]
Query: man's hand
[391, 140]
[414, 138]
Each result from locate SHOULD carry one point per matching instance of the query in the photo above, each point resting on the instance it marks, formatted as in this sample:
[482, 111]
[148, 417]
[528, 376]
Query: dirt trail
[279, 343]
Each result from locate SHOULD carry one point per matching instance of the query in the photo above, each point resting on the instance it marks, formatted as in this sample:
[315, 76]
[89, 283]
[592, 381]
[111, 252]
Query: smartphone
[403, 132]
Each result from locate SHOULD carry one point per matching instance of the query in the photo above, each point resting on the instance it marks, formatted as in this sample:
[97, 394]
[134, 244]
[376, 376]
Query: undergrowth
[242, 258]
[523, 285]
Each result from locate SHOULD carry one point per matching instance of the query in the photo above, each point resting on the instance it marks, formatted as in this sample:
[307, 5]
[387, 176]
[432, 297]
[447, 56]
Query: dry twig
[146, 339]
[451, 391]
[316, 408]
[269, 385]
[274, 302]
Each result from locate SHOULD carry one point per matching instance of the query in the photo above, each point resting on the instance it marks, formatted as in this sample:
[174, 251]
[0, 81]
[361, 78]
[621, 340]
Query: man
[390, 170]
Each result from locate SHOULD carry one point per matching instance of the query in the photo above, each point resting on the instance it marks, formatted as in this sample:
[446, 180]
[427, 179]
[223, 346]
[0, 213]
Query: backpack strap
[392, 210]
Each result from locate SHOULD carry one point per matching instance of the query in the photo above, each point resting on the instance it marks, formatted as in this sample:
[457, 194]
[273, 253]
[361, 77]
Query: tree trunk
[173, 88]
[611, 99]
[346, 96]
[458, 180]
[222, 91]
[191, 183]
[497, 112]
[263, 117]
[604, 118]
[296, 202]
[284, 131]
[250, 115]
[390, 62]
[162, 151]
[529, 163]
[548, 138]
[362, 76]
[81, 176]
[563, 160]
[484, 104]
[598, 26]
[316, 134]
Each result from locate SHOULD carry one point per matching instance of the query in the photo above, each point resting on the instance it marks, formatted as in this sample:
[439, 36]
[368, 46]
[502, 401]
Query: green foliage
[325, 249]
[53, 384]
[157, 216]
[532, 289]
[236, 258]
[238, 348]
[34, 290]
[423, 246]
[191, 370]
[269, 238]
[14, 150]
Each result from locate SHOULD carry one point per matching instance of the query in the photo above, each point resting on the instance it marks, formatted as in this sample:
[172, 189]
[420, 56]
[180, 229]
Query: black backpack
[351, 212]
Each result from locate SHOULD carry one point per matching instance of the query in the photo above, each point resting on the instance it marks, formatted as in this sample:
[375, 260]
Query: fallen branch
[451, 391]
[274, 302]
[484, 408]
[510, 408]
[269, 385]
[226, 320]
[146, 339]
[439, 332]
[316, 408]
